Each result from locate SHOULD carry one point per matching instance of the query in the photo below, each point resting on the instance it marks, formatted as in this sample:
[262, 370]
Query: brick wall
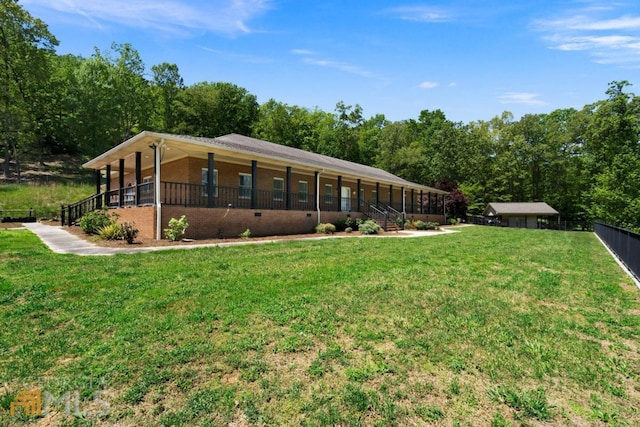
[220, 222]
[143, 216]
[426, 218]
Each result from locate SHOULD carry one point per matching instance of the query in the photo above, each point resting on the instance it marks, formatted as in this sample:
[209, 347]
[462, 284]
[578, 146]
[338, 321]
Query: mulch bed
[142, 242]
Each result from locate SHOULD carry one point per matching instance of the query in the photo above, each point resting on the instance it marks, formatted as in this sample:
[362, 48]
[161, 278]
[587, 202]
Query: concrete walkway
[61, 241]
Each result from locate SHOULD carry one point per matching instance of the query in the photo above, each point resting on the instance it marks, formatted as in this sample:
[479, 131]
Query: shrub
[369, 227]
[420, 225]
[245, 234]
[176, 228]
[325, 228]
[343, 224]
[111, 231]
[92, 222]
[348, 230]
[129, 231]
[453, 221]
[408, 225]
[433, 226]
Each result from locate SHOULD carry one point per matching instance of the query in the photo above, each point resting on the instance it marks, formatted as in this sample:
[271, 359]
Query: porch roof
[234, 146]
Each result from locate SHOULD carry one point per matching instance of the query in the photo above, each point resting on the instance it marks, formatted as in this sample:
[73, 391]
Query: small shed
[521, 215]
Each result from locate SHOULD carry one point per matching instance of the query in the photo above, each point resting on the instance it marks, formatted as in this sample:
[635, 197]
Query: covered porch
[158, 170]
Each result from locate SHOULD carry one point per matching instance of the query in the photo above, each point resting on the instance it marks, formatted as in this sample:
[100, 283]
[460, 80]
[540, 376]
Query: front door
[345, 199]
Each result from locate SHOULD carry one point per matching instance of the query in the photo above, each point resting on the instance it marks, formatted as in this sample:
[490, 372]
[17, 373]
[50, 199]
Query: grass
[488, 326]
[45, 199]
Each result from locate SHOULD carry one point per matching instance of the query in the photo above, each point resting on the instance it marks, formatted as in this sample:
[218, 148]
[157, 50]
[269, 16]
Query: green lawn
[487, 326]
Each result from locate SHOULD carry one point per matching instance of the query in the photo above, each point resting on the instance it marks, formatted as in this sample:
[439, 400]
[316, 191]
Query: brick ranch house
[227, 184]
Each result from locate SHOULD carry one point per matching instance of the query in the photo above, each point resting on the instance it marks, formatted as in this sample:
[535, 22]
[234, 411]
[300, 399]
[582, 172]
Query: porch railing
[70, 213]
[195, 195]
[624, 243]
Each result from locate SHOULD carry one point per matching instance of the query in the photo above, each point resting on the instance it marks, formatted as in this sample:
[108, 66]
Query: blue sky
[473, 59]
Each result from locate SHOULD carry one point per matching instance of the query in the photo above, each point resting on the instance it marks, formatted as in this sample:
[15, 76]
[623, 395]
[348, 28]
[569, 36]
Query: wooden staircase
[386, 217]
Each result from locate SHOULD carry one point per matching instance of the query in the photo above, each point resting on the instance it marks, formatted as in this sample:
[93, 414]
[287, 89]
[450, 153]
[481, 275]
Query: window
[278, 189]
[244, 190]
[205, 175]
[328, 193]
[374, 197]
[146, 183]
[303, 191]
[362, 201]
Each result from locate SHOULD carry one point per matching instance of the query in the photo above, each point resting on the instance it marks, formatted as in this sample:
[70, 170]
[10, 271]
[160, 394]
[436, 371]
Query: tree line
[585, 163]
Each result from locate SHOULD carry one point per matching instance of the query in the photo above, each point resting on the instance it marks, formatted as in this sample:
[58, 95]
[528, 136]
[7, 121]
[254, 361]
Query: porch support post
[444, 211]
[210, 176]
[421, 202]
[339, 193]
[413, 201]
[316, 200]
[108, 182]
[404, 201]
[391, 195]
[98, 180]
[429, 207]
[287, 188]
[138, 176]
[254, 184]
[121, 183]
[107, 186]
[377, 194]
[359, 198]
[98, 185]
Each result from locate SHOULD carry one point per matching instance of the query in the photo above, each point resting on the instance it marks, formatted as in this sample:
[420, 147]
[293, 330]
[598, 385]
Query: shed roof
[536, 208]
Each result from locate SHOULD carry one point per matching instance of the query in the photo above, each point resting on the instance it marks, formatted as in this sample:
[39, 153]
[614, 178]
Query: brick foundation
[206, 223]
[221, 222]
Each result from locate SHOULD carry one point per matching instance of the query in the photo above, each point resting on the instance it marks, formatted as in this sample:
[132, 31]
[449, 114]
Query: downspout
[156, 156]
[318, 194]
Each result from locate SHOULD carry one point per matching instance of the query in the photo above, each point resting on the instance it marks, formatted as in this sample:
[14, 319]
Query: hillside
[44, 186]
[62, 168]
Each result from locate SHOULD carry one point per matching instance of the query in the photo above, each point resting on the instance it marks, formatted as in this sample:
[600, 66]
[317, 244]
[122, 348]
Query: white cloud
[428, 85]
[303, 52]
[337, 65]
[420, 13]
[608, 34]
[167, 16]
[525, 98]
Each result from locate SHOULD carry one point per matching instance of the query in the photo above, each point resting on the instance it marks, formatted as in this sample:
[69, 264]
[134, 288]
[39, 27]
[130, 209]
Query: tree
[132, 95]
[214, 109]
[26, 45]
[611, 139]
[167, 84]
